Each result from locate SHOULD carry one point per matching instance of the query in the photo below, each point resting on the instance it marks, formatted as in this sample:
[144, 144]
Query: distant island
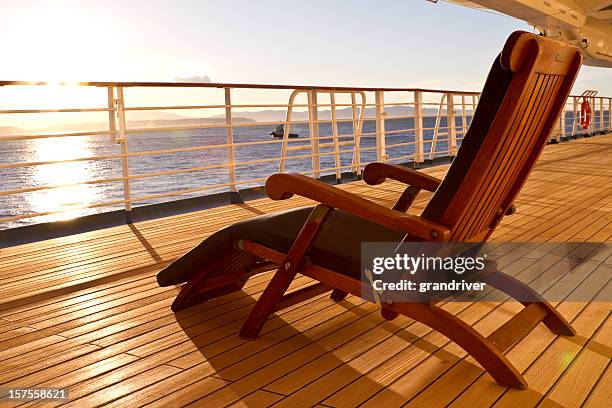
[132, 124]
[272, 115]
[140, 120]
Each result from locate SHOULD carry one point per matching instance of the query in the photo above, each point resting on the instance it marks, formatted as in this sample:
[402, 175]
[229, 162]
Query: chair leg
[481, 348]
[227, 274]
[520, 291]
[267, 302]
[556, 322]
[388, 314]
[478, 346]
[286, 272]
[337, 295]
[406, 199]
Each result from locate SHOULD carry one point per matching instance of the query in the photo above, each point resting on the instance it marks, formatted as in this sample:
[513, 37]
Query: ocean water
[63, 199]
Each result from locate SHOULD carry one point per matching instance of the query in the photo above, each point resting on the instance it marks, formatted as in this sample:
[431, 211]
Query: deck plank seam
[437, 349]
[526, 338]
[583, 309]
[457, 362]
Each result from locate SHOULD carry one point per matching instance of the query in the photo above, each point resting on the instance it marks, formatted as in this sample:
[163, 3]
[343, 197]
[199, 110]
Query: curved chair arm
[377, 173]
[282, 186]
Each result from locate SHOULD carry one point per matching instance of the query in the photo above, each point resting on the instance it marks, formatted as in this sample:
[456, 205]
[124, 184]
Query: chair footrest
[517, 327]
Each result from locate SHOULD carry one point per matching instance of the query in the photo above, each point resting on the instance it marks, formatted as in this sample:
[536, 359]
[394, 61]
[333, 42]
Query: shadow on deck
[85, 312]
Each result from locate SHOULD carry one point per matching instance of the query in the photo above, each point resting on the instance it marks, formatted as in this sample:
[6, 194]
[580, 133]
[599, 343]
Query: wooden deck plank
[85, 312]
[484, 392]
[542, 374]
[121, 344]
[466, 374]
[584, 372]
[600, 395]
[443, 383]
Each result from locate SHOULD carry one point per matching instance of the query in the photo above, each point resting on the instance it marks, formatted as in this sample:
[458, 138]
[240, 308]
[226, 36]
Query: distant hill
[155, 123]
[272, 115]
[10, 130]
[134, 124]
[146, 119]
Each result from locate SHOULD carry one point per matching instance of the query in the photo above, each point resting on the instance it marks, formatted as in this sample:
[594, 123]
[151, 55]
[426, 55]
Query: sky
[406, 43]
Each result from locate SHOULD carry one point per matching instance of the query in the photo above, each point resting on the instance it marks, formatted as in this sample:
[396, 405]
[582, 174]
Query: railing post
[595, 127]
[463, 117]
[561, 125]
[610, 113]
[418, 127]
[357, 129]
[576, 119]
[287, 130]
[112, 126]
[335, 136]
[564, 133]
[593, 112]
[231, 159]
[474, 106]
[313, 122]
[450, 124]
[434, 138]
[356, 165]
[602, 124]
[122, 140]
[592, 126]
[381, 151]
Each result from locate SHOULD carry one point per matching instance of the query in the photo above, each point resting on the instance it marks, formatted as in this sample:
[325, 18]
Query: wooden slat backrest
[521, 101]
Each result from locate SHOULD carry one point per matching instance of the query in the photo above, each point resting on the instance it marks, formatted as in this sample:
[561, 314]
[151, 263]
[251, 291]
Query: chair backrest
[520, 104]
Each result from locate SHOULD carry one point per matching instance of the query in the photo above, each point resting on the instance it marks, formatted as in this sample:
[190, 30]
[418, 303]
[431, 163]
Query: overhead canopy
[585, 23]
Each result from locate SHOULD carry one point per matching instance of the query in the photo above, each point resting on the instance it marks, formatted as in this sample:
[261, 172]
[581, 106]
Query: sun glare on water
[64, 202]
[60, 44]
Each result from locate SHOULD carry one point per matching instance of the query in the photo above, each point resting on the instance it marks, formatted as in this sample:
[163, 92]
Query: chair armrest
[282, 186]
[377, 173]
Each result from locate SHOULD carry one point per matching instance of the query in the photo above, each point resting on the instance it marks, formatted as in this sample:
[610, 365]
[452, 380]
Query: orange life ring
[585, 114]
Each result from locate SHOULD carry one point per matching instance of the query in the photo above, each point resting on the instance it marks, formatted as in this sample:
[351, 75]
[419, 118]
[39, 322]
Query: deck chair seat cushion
[337, 247]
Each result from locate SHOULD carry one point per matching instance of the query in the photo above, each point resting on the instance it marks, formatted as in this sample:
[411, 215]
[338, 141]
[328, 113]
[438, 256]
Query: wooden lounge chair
[521, 101]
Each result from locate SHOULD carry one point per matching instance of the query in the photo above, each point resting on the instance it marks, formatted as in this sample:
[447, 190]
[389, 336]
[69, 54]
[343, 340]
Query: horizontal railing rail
[64, 172]
[224, 85]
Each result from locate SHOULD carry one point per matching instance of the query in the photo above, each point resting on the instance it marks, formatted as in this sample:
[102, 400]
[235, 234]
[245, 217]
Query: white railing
[572, 121]
[341, 129]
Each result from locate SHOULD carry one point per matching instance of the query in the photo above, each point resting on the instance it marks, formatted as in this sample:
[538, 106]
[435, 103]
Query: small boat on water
[280, 132]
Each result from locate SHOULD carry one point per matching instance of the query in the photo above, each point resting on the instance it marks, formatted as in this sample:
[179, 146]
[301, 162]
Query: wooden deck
[85, 312]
